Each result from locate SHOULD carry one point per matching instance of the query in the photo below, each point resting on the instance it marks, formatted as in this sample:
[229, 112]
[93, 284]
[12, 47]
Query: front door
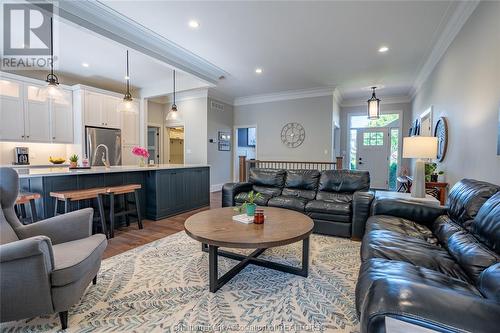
[373, 155]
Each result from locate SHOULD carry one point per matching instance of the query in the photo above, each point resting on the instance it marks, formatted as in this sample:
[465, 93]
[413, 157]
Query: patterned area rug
[163, 287]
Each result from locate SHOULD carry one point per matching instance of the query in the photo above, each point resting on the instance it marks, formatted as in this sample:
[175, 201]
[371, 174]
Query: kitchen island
[167, 189]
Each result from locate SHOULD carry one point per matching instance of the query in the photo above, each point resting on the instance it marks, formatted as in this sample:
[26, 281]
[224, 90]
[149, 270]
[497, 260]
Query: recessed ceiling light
[258, 70]
[84, 64]
[194, 24]
[383, 49]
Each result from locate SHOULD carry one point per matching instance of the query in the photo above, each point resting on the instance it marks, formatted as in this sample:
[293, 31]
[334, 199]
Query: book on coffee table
[243, 218]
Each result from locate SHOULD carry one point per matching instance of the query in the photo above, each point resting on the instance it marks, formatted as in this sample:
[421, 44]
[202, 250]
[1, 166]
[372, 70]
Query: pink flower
[140, 151]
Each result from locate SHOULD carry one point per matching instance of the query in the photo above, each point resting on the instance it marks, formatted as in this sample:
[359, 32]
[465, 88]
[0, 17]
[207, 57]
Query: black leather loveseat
[436, 267]
[337, 200]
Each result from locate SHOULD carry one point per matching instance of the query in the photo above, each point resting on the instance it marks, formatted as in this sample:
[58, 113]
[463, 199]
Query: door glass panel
[393, 159]
[373, 139]
[9, 88]
[385, 120]
[352, 153]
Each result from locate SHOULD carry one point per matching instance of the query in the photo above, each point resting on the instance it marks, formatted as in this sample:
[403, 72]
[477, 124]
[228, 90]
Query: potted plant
[440, 176]
[430, 169]
[73, 161]
[249, 203]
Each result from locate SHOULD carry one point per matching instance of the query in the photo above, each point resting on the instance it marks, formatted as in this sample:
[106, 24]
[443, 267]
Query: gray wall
[465, 87]
[362, 109]
[315, 114]
[220, 161]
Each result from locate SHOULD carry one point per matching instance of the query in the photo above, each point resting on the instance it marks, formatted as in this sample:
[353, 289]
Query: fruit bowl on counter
[57, 160]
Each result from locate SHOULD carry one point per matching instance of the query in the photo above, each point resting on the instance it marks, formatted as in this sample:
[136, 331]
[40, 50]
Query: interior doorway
[175, 137]
[245, 143]
[154, 144]
[373, 155]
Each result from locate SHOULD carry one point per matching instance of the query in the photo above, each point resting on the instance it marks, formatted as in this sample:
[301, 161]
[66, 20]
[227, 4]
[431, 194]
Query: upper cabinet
[130, 127]
[11, 110]
[100, 110]
[28, 115]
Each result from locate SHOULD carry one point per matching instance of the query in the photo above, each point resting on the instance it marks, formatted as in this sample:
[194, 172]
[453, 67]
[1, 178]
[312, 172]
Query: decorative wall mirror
[426, 122]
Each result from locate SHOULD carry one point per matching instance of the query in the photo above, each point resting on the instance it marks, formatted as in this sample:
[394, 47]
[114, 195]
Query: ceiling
[300, 45]
[106, 59]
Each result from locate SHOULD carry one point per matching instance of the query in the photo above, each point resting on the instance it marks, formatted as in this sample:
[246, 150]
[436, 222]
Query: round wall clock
[293, 135]
[441, 133]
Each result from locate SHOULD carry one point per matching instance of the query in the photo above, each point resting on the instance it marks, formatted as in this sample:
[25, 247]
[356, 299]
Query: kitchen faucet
[105, 155]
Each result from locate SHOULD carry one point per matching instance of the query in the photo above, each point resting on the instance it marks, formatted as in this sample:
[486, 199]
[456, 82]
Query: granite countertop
[64, 171]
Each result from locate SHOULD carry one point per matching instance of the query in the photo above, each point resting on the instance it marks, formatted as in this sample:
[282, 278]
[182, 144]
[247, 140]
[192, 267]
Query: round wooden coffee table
[215, 228]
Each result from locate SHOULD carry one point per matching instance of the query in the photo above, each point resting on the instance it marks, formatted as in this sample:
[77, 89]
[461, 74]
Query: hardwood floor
[127, 238]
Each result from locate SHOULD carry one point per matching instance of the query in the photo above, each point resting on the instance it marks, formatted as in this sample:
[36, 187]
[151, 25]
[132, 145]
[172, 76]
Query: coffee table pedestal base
[213, 253]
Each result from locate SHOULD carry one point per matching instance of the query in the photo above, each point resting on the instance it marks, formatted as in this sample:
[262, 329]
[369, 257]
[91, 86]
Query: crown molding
[457, 20]
[105, 21]
[337, 96]
[284, 95]
[215, 95]
[383, 101]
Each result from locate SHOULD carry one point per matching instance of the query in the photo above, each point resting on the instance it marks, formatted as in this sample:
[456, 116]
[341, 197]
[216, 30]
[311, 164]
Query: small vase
[142, 162]
[73, 165]
[251, 209]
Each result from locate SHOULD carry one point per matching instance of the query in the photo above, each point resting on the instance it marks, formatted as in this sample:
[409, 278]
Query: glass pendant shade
[174, 114]
[373, 106]
[52, 91]
[127, 105]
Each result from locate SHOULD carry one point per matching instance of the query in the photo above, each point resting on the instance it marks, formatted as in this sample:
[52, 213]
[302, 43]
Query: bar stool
[85, 194]
[24, 198]
[123, 190]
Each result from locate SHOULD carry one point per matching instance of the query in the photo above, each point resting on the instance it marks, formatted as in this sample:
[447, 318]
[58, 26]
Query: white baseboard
[216, 187]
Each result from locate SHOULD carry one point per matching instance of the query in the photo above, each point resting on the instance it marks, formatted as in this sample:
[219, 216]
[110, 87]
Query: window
[385, 120]
[373, 139]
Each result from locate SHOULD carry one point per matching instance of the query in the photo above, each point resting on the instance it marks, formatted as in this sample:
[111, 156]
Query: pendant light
[173, 114]
[373, 106]
[52, 91]
[127, 105]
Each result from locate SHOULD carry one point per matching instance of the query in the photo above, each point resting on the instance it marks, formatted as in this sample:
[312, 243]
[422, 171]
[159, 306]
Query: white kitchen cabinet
[11, 110]
[62, 119]
[130, 127]
[100, 110]
[127, 157]
[37, 115]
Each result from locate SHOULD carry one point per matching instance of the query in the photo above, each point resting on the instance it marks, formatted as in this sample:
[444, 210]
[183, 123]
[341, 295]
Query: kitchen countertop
[64, 171]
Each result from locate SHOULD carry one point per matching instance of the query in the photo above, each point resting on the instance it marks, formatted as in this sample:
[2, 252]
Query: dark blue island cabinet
[164, 192]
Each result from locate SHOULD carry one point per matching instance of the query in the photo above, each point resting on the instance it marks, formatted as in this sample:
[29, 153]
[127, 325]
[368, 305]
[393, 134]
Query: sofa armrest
[62, 228]
[230, 190]
[440, 309]
[415, 211]
[361, 204]
[25, 269]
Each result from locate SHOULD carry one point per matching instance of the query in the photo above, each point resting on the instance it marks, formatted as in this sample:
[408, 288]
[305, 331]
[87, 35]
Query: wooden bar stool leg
[102, 215]
[138, 209]
[111, 215]
[23, 211]
[56, 201]
[126, 206]
[34, 215]
[66, 206]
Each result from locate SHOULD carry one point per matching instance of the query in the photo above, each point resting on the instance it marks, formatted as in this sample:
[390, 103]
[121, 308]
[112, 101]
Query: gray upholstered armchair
[46, 266]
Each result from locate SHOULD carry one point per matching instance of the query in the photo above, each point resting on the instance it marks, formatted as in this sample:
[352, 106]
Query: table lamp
[419, 147]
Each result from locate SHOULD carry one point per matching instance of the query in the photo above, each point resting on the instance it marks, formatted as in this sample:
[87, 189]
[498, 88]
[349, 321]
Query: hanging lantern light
[373, 106]
[173, 114]
[127, 105]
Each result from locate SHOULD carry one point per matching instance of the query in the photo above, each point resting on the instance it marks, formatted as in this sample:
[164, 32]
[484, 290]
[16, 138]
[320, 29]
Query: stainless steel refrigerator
[103, 144]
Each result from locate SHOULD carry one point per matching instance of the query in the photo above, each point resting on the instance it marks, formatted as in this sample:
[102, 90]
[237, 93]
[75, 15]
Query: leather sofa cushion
[73, 260]
[267, 190]
[383, 269]
[487, 223]
[292, 192]
[489, 282]
[443, 228]
[329, 217]
[294, 203]
[393, 246]
[401, 226]
[267, 177]
[327, 207]
[472, 255]
[466, 198]
[342, 197]
[302, 179]
[344, 181]
[243, 196]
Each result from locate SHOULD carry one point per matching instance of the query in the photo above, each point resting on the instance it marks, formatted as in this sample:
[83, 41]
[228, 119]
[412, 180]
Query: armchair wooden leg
[94, 280]
[63, 316]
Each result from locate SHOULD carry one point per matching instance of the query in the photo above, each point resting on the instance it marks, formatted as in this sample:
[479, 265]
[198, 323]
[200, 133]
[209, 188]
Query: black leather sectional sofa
[435, 267]
[337, 200]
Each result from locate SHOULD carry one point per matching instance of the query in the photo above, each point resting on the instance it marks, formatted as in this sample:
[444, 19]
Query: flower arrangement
[142, 153]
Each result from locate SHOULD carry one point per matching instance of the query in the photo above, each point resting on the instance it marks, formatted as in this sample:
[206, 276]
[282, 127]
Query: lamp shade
[420, 147]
